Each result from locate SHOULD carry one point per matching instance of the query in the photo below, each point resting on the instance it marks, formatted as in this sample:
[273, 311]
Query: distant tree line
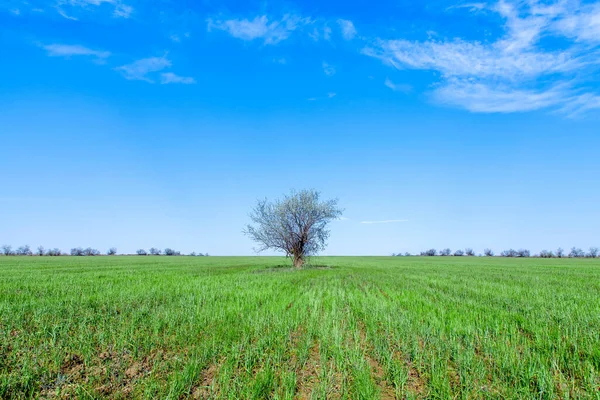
[167, 252]
[7, 250]
[575, 252]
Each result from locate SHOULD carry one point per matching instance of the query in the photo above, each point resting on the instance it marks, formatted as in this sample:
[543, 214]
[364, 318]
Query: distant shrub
[193, 254]
[488, 253]
[77, 251]
[459, 253]
[509, 253]
[24, 251]
[40, 251]
[112, 251]
[546, 254]
[407, 254]
[54, 252]
[445, 252]
[469, 252]
[429, 253]
[576, 253]
[560, 253]
[141, 252]
[155, 252]
[7, 250]
[171, 252]
[593, 253]
[523, 253]
[91, 252]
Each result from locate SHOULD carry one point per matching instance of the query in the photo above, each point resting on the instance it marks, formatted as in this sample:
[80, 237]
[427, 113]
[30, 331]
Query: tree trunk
[298, 261]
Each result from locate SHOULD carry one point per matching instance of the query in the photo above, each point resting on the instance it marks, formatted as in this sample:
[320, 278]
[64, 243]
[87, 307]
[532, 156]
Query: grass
[247, 328]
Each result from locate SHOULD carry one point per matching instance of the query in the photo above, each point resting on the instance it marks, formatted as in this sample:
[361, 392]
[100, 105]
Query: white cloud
[67, 50]
[398, 87]
[513, 72]
[386, 221]
[261, 27]
[328, 69]
[169, 77]
[331, 95]
[139, 70]
[280, 60]
[348, 29]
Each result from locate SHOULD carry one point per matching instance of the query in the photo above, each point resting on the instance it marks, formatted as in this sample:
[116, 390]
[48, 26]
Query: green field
[246, 327]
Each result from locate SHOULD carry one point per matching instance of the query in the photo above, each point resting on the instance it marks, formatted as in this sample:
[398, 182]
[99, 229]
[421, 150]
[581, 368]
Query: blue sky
[436, 124]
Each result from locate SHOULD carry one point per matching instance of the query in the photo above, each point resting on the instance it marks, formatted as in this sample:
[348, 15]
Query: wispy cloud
[514, 72]
[169, 77]
[385, 221]
[580, 104]
[473, 59]
[272, 30]
[269, 30]
[63, 14]
[139, 70]
[178, 38]
[120, 9]
[582, 25]
[398, 87]
[499, 98]
[328, 69]
[347, 28]
[329, 95]
[68, 50]
[473, 7]
[320, 32]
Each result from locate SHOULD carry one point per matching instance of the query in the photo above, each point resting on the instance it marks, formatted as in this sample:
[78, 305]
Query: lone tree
[295, 224]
